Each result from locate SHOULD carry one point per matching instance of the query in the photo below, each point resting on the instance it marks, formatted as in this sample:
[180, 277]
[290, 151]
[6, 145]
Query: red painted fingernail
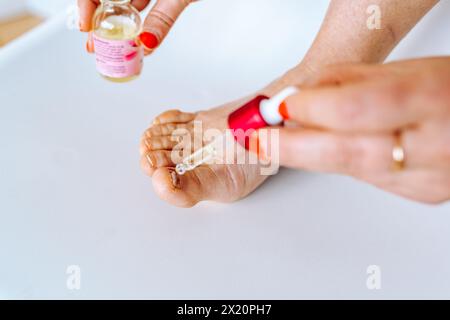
[283, 111]
[253, 145]
[149, 40]
[256, 147]
[89, 47]
[90, 43]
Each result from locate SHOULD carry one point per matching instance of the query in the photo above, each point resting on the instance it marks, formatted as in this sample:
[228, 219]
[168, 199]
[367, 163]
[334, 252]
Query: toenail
[150, 160]
[175, 179]
[148, 145]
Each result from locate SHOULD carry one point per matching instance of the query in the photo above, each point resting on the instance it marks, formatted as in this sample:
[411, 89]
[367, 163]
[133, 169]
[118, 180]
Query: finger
[159, 22]
[140, 4]
[427, 186]
[358, 107]
[90, 43]
[358, 155]
[335, 153]
[428, 146]
[87, 9]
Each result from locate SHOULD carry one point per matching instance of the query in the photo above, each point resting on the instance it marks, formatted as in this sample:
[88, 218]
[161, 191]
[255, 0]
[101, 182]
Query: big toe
[182, 191]
[221, 183]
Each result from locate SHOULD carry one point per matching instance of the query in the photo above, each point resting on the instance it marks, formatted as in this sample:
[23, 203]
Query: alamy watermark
[373, 281]
[374, 19]
[73, 281]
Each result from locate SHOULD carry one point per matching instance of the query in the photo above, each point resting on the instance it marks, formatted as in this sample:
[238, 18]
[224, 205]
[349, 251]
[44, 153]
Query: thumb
[159, 22]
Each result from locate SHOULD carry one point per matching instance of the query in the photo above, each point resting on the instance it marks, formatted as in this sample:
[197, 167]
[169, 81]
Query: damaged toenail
[175, 179]
[150, 161]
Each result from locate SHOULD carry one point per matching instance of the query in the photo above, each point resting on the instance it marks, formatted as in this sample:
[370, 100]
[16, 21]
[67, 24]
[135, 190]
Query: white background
[72, 193]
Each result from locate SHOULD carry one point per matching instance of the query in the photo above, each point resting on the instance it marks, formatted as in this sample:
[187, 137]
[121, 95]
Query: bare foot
[222, 183]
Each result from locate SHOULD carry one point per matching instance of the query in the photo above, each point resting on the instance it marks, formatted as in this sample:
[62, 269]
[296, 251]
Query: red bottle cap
[245, 120]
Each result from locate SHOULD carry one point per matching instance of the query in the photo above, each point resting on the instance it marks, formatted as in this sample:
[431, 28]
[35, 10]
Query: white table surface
[72, 192]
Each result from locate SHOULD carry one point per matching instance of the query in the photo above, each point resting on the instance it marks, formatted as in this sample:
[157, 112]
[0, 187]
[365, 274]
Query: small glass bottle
[116, 25]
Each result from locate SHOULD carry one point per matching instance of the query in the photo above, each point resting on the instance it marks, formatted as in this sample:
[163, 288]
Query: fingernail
[90, 44]
[256, 147]
[283, 110]
[175, 180]
[150, 161]
[89, 47]
[149, 40]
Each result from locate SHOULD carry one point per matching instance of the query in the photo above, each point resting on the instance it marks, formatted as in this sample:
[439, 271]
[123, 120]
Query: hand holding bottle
[156, 26]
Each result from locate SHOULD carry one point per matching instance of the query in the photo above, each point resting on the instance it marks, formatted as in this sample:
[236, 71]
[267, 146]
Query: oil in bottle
[116, 25]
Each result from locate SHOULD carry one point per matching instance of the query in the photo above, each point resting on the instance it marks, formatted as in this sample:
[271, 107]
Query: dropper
[258, 113]
[196, 159]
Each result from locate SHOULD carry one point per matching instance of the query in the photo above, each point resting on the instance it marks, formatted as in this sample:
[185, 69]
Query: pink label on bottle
[118, 58]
